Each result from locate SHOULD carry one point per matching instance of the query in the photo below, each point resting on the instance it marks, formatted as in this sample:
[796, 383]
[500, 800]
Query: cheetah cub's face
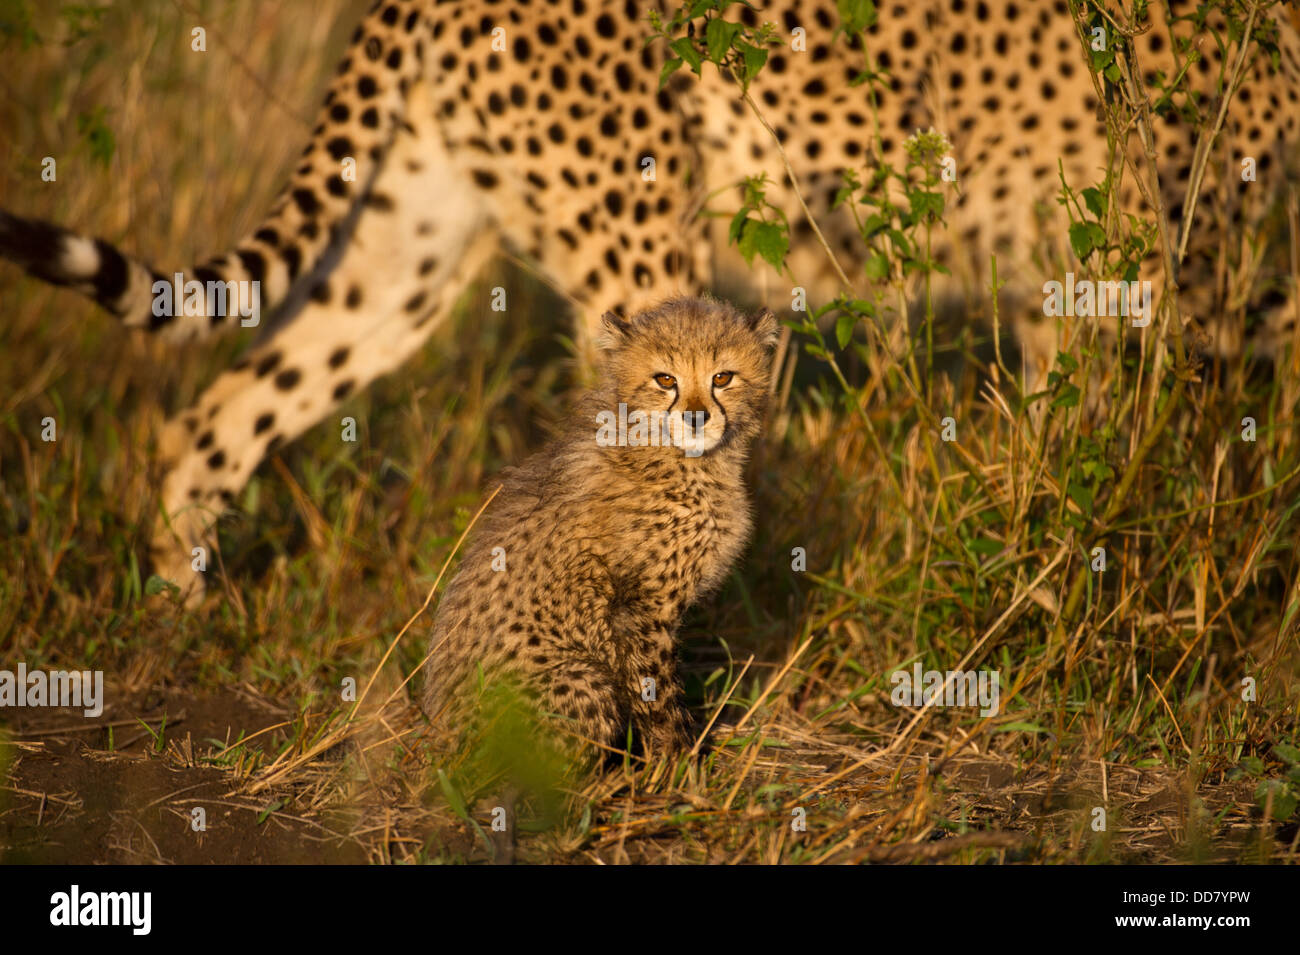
[700, 366]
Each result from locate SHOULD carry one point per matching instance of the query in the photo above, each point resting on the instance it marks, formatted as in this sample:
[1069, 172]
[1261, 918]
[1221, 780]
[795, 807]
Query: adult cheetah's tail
[281, 260]
[91, 266]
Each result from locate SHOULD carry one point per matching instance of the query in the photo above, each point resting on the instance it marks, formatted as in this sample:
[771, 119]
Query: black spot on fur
[306, 201]
[288, 379]
[263, 422]
[253, 263]
[292, 261]
[339, 147]
[267, 364]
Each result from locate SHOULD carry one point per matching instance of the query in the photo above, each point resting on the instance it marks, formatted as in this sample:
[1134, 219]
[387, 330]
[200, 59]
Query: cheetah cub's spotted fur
[603, 545]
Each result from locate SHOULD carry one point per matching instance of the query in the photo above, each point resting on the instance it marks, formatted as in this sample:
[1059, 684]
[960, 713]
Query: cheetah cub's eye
[723, 378]
[665, 381]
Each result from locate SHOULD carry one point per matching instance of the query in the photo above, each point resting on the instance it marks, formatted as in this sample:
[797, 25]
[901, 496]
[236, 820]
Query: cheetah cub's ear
[615, 331]
[765, 327]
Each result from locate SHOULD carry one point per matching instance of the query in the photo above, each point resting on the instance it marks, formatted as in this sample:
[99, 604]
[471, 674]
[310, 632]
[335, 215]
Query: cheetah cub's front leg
[658, 711]
[577, 577]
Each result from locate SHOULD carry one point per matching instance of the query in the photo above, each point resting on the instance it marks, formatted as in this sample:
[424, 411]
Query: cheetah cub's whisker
[576, 581]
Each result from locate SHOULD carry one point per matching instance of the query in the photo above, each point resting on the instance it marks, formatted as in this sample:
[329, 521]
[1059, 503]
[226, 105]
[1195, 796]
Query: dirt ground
[104, 791]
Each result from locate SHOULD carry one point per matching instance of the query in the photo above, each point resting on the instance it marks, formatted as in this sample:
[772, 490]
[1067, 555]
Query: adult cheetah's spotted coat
[461, 149]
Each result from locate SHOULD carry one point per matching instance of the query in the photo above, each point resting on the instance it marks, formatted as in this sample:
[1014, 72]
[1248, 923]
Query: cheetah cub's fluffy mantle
[576, 581]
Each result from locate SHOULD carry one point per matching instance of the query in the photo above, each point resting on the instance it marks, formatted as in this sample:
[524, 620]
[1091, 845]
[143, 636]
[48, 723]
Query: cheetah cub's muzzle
[700, 393]
[576, 580]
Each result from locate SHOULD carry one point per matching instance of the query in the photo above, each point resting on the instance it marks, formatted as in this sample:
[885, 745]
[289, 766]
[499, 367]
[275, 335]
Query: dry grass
[963, 554]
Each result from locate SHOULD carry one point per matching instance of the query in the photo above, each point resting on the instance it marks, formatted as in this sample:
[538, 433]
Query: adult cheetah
[469, 127]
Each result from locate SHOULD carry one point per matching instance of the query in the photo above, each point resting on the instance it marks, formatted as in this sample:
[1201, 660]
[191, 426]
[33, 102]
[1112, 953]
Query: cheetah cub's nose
[696, 420]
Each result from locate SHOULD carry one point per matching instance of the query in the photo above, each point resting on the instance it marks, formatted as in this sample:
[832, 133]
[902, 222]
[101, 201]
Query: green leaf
[1068, 398]
[900, 242]
[1083, 238]
[925, 204]
[1252, 764]
[670, 67]
[842, 195]
[453, 796]
[772, 243]
[1095, 200]
[985, 546]
[877, 267]
[746, 244]
[856, 15]
[844, 329]
[1284, 800]
[718, 37]
[755, 58]
[1081, 494]
[767, 239]
[737, 226]
[265, 814]
[685, 48]
[1287, 753]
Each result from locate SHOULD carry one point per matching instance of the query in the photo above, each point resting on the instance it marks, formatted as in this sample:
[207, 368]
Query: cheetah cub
[578, 574]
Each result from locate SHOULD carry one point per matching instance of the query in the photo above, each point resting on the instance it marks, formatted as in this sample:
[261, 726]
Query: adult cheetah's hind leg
[399, 276]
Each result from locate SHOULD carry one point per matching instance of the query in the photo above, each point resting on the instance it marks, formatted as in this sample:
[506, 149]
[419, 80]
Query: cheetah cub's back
[576, 580]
